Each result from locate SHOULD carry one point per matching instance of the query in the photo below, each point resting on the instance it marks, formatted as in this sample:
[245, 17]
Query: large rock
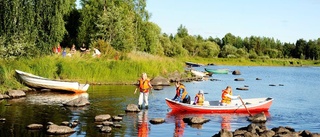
[175, 76]
[78, 102]
[16, 93]
[59, 130]
[103, 117]
[160, 81]
[132, 108]
[257, 118]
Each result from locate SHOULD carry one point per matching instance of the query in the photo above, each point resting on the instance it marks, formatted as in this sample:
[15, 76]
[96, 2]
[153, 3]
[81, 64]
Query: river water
[295, 93]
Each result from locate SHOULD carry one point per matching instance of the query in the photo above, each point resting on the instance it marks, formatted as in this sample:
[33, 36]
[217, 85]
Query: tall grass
[87, 69]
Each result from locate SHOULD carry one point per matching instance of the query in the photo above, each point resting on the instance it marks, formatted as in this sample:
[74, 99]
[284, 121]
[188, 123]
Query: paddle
[245, 106]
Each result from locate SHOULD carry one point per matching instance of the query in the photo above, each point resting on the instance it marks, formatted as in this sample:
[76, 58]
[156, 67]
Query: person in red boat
[181, 93]
[199, 98]
[226, 96]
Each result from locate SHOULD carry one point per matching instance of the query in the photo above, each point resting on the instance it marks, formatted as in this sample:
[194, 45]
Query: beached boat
[45, 83]
[254, 105]
[217, 71]
[198, 73]
[191, 64]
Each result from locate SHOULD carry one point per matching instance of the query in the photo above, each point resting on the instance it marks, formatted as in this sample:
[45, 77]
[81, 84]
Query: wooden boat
[254, 105]
[217, 71]
[191, 64]
[45, 83]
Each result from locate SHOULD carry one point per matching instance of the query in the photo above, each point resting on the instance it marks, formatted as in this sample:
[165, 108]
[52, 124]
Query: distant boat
[41, 82]
[217, 71]
[254, 105]
[191, 64]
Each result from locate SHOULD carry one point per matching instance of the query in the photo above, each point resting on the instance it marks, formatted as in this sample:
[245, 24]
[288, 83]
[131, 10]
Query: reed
[87, 69]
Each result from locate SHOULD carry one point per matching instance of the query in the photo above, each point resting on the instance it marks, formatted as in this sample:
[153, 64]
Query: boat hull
[217, 71]
[253, 105]
[41, 82]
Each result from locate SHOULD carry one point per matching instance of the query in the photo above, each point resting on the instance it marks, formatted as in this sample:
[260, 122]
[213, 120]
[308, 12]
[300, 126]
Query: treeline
[31, 28]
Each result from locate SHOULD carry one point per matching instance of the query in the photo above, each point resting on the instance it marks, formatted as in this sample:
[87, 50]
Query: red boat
[254, 105]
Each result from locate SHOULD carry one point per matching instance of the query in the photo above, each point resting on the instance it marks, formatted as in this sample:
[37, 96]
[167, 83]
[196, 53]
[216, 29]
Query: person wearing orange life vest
[144, 86]
[199, 98]
[181, 93]
[226, 96]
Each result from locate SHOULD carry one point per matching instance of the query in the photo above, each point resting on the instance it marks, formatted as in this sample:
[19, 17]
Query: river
[294, 90]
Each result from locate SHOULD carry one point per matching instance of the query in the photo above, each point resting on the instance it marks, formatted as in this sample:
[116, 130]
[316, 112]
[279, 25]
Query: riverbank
[123, 70]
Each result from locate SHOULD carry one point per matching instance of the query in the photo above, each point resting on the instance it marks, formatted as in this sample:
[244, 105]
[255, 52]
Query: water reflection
[143, 127]
[226, 120]
[52, 98]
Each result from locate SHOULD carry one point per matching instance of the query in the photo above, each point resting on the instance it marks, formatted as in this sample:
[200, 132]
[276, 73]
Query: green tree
[182, 31]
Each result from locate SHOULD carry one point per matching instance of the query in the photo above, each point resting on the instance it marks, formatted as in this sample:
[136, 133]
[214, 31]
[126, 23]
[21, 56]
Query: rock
[195, 120]
[59, 130]
[258, 78]
[157, 87]
[116, 118]
[100, 118]
[132, 108]
[121, 115]
[242, 88]
[260, 117]
[224, 133]
[236, 72]
[175, 76]
[106, 129]
[16, 93]
[65, 123]
[2, 119]
[239, 79]
[78, 102]
[35, 126]
[117, 126]
[1, 96]
[267, 133]
[107, 123]
[157, 121]
[160, 81]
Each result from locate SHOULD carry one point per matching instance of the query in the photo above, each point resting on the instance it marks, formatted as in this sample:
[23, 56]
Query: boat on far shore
[38, 82]
[191, 64]
[217, 71]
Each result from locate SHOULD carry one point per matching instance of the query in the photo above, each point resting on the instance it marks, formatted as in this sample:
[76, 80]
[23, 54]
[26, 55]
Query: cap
[201, 91]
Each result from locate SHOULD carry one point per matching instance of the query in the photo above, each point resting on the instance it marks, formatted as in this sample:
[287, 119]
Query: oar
[245, 106]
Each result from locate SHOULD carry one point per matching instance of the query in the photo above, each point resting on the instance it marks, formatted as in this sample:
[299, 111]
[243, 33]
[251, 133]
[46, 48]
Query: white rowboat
[41, 82]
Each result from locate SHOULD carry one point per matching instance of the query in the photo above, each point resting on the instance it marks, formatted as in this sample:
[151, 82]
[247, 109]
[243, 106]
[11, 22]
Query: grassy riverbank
[87, 69]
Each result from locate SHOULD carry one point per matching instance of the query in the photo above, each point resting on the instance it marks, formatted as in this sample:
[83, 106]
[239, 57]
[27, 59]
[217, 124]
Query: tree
[182, 31]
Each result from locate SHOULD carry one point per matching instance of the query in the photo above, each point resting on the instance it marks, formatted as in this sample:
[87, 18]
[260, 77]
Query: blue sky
[285, 20]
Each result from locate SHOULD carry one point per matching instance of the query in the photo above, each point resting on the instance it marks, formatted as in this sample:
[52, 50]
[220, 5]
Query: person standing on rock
[144, 86]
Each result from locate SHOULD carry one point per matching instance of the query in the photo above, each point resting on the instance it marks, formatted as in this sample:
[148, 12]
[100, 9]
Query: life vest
[144, 85]
[225, 99]
[200, 99]
[184, 93]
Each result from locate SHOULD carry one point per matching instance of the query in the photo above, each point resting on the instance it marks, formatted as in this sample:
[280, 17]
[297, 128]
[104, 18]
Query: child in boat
[199, 98]
[226, 96]
[181, 93]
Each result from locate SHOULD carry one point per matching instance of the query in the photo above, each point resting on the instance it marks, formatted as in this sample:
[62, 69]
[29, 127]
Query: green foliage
[105, 48]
